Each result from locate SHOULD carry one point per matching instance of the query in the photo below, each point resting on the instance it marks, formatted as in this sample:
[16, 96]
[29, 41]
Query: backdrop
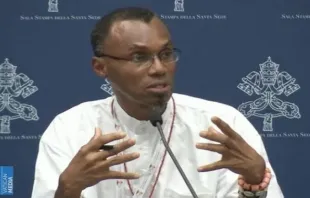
[231, 52]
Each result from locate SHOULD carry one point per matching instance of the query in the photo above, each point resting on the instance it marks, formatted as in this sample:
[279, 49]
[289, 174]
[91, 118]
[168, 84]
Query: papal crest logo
[53, 6]
[12, 86]
[179, 5]
[107, 87]
[268, 84]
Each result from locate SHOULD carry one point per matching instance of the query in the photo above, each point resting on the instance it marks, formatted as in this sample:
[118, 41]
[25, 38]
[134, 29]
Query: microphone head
[155, 116]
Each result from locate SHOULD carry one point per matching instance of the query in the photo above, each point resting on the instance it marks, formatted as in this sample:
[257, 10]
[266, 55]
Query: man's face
[131, 80]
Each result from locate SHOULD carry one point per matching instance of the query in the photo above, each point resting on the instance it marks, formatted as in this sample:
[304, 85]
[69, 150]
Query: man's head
[124, 42]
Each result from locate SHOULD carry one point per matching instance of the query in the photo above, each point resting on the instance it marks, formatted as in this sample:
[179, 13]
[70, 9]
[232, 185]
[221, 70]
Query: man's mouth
[159, 87]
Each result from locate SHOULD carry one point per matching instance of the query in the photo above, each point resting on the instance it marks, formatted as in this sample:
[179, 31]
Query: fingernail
[203, 133]
[198, 144]
[136, 155]
[213, 130]
[131, 141]
[214, 118]
[137, 175]
[122, 134]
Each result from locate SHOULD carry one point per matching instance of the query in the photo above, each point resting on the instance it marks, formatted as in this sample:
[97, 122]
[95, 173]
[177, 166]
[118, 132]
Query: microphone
[157, 121]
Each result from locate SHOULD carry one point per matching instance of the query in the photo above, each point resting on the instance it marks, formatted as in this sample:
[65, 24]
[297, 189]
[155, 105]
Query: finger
[212, 147]
[85, 148]
[213, 166]
[224, 127]
[97, 134]
[120, 175]
[104, 139]
[118, 148]
[120, 159]
[213, 135]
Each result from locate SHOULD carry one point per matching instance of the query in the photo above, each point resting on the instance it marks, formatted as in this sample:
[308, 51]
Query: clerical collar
[132, 123]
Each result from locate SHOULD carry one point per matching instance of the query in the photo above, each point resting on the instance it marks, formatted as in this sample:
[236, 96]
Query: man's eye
[140, 57]
[166, 54]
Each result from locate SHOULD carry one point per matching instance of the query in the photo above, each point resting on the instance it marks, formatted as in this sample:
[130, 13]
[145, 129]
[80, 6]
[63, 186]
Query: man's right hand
[92, 165]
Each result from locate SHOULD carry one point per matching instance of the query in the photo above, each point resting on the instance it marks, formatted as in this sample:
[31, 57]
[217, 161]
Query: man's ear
[99, 66]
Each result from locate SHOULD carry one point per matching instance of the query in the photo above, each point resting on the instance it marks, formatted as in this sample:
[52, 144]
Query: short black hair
[103, 26]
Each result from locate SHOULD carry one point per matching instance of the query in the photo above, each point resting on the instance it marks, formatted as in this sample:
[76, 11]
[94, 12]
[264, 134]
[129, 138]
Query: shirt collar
[139, 126]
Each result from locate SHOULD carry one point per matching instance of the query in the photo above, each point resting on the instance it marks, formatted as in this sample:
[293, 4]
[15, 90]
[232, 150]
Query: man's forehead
[134, 33]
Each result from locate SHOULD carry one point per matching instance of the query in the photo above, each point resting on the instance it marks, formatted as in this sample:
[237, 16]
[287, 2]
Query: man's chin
[163, 97]
[160, 99]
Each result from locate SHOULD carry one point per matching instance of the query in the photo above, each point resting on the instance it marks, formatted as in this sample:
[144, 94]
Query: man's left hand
[237, 155]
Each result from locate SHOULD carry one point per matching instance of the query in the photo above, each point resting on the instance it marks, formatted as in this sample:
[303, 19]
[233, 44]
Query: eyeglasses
[140, 59]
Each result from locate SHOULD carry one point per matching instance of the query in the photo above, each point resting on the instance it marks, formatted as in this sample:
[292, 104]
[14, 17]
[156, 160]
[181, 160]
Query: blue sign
[6, 182]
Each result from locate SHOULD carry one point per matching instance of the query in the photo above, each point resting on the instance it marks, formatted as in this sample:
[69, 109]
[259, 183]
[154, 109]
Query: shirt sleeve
[53, 157]
[227, 183]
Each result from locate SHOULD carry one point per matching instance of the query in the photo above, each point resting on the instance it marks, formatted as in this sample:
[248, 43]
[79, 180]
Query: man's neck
[136, 110]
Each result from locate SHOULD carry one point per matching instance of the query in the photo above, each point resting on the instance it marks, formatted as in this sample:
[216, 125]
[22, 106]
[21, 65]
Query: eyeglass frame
[152, 57]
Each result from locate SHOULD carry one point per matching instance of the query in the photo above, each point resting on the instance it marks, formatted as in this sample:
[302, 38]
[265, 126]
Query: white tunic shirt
[75, 127]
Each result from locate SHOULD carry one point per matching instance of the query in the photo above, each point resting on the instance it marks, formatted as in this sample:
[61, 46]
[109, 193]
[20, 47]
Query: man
[134, 51]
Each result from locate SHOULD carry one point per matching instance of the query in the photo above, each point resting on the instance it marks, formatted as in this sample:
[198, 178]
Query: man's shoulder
[88, 108]
[75, 124]
[203, 105]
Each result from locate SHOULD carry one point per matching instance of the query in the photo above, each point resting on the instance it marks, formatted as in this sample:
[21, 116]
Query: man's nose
[157, 68]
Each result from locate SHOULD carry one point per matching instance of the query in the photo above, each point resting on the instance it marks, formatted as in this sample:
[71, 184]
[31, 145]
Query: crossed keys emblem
[269, 83]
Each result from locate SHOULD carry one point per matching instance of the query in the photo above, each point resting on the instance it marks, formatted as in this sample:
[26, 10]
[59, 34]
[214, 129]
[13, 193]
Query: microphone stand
[157, 123]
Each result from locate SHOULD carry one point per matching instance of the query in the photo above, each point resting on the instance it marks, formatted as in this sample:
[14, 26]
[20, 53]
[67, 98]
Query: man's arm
[64, 169]
[64, 191]
[51, 161]
[227, 183]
